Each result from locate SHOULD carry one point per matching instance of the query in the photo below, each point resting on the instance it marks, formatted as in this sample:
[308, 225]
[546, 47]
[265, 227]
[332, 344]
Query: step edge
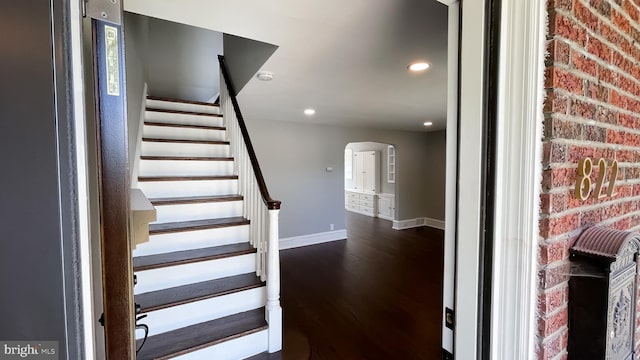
[200, 298]
[194, 259]
[182, 112]
[189, 126]
[191, 102]
[265, 326]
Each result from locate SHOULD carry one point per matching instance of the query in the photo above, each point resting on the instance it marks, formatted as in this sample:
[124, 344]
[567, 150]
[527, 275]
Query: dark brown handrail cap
[604, 242]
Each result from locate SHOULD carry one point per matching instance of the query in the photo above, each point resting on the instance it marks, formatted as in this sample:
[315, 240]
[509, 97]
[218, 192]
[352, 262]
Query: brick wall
[592, 109]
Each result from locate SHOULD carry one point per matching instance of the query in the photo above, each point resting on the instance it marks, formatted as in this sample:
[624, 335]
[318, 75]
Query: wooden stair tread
[201, 127]
[193, 102]
[195, 337]
[179, 295]
[190, 256]
[182, 112]
[196, 225]
[182, 141]
[187, 178]
[195, 199]
[269, 356]
[188, 158]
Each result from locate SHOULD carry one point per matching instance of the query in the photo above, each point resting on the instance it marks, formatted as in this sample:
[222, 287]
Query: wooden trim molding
[312, 239]
[117, 268]
[418, 222]
[518, 177]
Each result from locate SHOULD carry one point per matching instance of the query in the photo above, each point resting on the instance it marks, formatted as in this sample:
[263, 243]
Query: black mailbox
[602, 295]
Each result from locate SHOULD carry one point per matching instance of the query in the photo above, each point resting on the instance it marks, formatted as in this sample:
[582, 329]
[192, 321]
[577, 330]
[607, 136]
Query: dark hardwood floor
[377, 295]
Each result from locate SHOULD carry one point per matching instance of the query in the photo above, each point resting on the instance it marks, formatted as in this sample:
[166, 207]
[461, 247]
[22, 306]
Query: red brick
[620, 61]
[565, 80]
[597, 92]
[560, 4]
[557, 153]
[606, 75]
[631, 10]
[552, 253]
[567, 28]
[606, 115]
[629, 121]
[620, 22]
[582, 109]
[590, 217]
[610, 34]
[595, 133]
[550, 348]
[602, 6]
[625, 156]
[556, 103]
[599, 49]
[577, 152]
[560, 129]
[612, 211]
[561, 225]
[585, 16]
[606, 153]
[551, 300]
[622, 224]
[553, 323]
[552, 275]
[631, 139]
[615, 137]
[616, 99]
[559, 52]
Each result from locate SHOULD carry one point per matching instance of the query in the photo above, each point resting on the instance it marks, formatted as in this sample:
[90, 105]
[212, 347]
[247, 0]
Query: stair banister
[260, 208]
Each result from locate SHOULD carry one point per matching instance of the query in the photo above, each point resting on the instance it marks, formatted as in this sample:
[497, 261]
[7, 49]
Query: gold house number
[583, 183]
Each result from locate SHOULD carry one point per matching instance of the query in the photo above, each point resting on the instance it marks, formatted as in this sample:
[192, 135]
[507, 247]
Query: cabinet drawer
[366, 197]
[351, 195]
[366, 203]
[353, 201]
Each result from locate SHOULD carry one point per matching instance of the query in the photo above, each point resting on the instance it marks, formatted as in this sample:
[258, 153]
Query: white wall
[294, 158]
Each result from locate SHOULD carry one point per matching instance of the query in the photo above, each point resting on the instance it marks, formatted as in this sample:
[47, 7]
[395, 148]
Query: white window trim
[522, 44]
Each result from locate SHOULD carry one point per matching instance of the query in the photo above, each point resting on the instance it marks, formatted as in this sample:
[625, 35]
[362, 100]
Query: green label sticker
[113, 66]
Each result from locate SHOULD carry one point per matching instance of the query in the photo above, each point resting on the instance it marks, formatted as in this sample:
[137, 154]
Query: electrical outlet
[331, 226]
[449, 318]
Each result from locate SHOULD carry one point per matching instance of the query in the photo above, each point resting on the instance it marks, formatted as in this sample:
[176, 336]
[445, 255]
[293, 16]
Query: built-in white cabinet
[391, 164]
[366, 171]
[363, 203]
[386, 206]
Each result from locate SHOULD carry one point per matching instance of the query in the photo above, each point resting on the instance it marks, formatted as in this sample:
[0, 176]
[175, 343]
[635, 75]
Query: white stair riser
[196, 239]
[153, 148]
[186, 212]
[238, 348]
[176, 317]
[184, 119]
[170, 276]
[171, 132]
[161, 189]
[172, 105]
[185, 168]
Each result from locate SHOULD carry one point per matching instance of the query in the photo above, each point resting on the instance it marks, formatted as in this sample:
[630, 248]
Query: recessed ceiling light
[418, 66]
[309, 112]
[428, 123]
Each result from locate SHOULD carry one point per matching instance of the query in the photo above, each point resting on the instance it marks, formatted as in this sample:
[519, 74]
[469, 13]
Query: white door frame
[518, 178]
[517, 188]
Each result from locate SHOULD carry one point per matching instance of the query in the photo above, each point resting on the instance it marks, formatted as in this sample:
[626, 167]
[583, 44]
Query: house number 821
[583, 183]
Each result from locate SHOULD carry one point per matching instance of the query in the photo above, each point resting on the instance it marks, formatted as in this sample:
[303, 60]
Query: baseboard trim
[418, 222]
[312, 239]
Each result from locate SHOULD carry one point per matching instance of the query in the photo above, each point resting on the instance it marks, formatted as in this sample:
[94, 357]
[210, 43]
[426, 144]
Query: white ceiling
[347, 59]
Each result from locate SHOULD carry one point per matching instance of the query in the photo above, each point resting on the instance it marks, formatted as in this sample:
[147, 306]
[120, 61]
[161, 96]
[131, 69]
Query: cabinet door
[369, 170]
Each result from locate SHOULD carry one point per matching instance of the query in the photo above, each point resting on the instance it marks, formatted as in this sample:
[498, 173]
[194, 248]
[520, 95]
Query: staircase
[201, 279]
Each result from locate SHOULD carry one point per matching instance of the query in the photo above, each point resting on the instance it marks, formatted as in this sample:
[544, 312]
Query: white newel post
[274, 311]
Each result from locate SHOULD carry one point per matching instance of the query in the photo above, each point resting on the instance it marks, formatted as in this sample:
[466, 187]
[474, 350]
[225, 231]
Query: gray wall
[244, 57]
[136, 36]
[294, 157]
[384, 186]
[182, 61]
[39, 296]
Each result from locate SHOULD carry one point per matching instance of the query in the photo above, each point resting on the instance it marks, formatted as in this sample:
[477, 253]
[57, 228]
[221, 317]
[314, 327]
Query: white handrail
[263, 226]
